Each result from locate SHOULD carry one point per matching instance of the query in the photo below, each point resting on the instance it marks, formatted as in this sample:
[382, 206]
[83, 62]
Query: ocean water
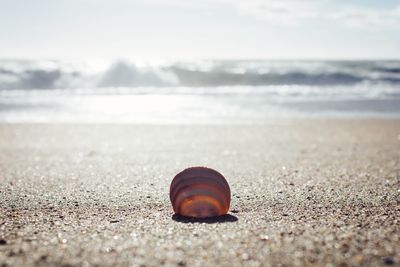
[209, 91]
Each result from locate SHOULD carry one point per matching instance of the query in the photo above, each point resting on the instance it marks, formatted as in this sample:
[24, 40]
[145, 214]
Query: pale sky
[187, 29]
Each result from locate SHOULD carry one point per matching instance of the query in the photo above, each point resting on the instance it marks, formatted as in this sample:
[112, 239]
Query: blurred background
[198, 61]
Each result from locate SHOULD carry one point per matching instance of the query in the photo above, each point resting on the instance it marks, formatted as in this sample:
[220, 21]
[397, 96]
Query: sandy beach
[304, 192]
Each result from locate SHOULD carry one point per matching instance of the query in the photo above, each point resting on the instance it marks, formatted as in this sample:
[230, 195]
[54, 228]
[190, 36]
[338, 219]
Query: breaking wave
[47, 74]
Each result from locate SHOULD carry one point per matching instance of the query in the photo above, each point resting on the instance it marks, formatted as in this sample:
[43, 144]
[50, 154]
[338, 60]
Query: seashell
[200, 192]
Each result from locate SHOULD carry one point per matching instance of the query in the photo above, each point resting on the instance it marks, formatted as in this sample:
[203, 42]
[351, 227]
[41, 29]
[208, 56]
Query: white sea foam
[196, 92]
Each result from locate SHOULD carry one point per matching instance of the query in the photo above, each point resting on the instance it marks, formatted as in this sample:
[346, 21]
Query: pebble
[388, 261]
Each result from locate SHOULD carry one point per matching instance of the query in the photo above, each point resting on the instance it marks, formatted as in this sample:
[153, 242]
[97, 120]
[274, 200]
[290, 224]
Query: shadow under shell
[200, 192]
[216, 219]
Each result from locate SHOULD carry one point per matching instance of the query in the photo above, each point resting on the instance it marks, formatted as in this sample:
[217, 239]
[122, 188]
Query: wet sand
[305, 192]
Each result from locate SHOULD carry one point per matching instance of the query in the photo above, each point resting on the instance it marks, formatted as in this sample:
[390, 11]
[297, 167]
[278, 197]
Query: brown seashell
[200, 192]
